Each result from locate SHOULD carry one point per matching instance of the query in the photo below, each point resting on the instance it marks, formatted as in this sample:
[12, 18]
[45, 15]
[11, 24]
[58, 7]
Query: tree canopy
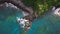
[41, 6]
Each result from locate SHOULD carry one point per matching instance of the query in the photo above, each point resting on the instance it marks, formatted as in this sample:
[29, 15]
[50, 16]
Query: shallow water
[47, 24]
[8, 23]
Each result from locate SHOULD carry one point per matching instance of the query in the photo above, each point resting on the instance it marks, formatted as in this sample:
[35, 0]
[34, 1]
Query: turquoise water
[8, 23]
[47, 24]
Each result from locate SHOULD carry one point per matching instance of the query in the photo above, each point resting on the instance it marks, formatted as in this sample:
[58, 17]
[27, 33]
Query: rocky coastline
[29, 15]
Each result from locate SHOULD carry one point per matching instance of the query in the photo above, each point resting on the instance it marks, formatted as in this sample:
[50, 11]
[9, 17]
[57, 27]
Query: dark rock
[19, 4]
[30, 17]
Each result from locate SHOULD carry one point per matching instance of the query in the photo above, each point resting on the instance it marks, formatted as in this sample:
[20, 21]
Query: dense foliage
[41, 6]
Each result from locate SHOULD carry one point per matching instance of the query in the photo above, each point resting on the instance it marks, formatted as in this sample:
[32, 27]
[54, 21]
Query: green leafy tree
[41, 6]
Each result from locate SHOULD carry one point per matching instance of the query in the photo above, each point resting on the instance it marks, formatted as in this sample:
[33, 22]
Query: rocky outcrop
[30, 17]
[19, 4]
[27, 12]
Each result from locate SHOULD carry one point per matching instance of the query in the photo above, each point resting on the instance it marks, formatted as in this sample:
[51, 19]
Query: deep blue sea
[46, 24]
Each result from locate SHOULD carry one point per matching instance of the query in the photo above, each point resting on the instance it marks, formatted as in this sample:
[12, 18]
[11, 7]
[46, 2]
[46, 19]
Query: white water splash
[57, 11]
[22, 22]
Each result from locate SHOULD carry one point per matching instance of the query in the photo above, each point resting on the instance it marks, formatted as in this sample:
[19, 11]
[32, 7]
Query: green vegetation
[41, 6]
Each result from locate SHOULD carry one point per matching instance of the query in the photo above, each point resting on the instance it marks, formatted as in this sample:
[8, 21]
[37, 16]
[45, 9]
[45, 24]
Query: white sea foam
[53, 8]
[10, 5]
[13, 6]
[22, 21]
[57, 12]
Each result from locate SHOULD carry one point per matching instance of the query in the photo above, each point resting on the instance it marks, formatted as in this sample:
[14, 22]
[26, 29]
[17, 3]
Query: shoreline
[27, 16]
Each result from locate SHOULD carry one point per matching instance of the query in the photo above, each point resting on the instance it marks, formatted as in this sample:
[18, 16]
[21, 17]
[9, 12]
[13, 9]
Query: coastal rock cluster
[27, 16]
